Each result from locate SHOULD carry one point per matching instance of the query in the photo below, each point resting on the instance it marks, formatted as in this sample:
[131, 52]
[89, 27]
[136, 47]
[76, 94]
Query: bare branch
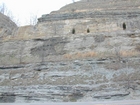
[33, 19]
[5, 11]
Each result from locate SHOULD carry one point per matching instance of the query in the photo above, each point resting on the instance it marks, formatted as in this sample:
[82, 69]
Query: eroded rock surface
[78, 53]
[76, 80]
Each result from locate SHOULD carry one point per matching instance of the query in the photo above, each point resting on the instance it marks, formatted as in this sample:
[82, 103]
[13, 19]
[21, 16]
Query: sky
[23, 10]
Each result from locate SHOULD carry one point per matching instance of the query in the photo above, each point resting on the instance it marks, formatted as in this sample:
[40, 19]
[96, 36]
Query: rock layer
[74, 54]
[78, 80]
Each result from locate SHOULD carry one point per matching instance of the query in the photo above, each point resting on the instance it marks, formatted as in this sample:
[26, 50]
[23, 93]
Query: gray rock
[16, 76]
[111, 94]
[7, 97]
[50, 63]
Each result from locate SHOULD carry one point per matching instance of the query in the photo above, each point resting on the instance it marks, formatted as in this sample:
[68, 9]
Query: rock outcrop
[82, 52]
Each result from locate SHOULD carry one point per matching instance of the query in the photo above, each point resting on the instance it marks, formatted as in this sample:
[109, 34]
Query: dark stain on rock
[7, 97]
[51, 46]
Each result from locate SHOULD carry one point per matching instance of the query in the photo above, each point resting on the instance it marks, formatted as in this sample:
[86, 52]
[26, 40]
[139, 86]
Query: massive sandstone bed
[86, 51]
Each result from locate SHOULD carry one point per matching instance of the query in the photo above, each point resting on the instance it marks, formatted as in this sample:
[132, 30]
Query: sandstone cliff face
[86, 54]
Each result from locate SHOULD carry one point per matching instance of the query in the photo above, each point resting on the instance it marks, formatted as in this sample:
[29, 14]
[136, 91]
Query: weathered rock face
[97, 16]
[76, 80]
[87, 54]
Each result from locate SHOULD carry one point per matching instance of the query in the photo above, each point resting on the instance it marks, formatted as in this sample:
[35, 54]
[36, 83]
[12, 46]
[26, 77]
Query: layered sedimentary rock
[86, 51]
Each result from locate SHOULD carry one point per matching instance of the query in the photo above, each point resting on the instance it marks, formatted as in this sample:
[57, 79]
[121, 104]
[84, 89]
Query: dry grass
[88, 54]
[129, 53]
[138, 47]
[115, 66]
[80, 55]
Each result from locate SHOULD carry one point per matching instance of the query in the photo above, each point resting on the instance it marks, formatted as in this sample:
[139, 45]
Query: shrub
[124, 26]
[73, 31]
[88, 31]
